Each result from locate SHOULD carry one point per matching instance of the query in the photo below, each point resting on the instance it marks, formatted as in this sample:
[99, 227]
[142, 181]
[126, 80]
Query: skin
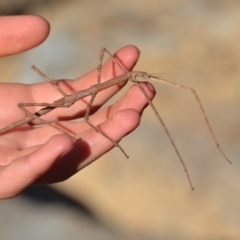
[30, 156]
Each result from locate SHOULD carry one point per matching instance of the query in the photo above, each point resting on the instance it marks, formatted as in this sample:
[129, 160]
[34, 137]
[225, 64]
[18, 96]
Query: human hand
[41, 155]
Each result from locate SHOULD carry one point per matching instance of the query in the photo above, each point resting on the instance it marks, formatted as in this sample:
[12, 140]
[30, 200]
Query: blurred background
[147, 197]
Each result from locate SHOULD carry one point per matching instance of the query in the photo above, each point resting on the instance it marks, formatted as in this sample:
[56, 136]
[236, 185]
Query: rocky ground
[195, 43]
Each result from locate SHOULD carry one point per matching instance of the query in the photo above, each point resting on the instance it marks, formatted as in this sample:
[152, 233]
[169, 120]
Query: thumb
[20, 33]
[24, 171]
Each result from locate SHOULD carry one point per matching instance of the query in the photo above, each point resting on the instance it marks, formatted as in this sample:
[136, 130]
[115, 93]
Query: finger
[116, 127]
[20, 33]
[26, 170]
[50, 165]
[91, 146]
[133, 99]
[44, 92]
[127, 56]
[57, 160]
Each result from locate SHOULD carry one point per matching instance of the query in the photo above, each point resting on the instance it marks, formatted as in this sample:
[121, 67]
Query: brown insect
[68, 100]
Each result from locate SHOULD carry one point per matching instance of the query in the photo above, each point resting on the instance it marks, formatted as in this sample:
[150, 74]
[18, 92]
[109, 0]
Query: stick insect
[68, 100]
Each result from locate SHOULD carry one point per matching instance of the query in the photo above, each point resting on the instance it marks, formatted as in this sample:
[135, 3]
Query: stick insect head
[144, 75]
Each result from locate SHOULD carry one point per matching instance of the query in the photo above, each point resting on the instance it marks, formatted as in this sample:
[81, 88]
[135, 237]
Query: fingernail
[151, 87]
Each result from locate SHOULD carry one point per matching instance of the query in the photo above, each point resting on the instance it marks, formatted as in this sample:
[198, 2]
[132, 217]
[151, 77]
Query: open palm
[42, 155]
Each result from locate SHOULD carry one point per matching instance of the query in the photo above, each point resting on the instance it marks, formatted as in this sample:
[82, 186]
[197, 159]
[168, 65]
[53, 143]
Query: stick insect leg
[86, 118]
[47, 79]
[100, 63]
[166, 131]
[22, 107]
[200, 106]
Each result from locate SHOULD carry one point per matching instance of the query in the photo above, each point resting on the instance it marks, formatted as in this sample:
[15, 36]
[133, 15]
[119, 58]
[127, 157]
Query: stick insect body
[68, 100]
